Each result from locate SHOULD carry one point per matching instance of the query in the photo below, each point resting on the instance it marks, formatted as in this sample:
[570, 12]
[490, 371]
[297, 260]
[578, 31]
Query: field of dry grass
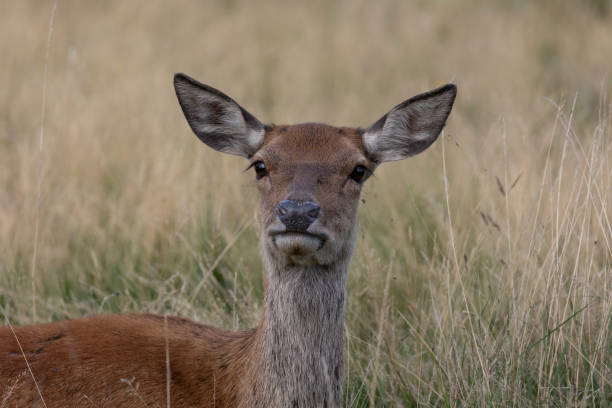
[483, 275]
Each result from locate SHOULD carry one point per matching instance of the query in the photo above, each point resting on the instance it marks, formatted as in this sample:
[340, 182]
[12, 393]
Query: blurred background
[483, 270]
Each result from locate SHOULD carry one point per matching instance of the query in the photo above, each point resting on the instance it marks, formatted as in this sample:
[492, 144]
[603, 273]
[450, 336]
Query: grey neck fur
[301, 336]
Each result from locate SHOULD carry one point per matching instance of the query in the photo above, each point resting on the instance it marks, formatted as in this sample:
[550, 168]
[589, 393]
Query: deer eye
[359, 173]
[260, 169]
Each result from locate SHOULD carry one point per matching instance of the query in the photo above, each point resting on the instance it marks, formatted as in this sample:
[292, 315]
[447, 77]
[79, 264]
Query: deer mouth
[297, 242]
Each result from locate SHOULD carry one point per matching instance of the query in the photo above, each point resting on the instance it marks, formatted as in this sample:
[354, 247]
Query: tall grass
[483, 275]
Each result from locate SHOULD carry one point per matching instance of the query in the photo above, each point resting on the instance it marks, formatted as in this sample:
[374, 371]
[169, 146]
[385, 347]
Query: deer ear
[216, 119]
[410, 127]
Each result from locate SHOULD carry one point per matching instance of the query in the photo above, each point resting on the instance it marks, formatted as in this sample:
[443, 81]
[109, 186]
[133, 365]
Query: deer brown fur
[309, 177]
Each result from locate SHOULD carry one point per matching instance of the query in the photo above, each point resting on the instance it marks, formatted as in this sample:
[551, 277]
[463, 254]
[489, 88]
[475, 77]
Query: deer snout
[297, 217]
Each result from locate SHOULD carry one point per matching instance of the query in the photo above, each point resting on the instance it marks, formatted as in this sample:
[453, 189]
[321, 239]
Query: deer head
[310, 175]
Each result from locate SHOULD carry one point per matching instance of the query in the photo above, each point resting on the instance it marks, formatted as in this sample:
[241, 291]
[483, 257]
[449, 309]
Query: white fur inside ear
[255, 139]
[217, 115]
[370, 143]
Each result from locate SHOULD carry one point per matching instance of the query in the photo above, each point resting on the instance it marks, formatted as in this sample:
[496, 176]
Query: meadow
[483, 272]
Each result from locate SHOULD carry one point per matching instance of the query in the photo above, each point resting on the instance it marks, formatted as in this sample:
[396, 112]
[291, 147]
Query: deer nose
[297, 217]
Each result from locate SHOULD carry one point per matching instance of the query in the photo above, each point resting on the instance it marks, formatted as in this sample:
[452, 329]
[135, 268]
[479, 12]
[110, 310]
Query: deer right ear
[410, 127]
[217, 119]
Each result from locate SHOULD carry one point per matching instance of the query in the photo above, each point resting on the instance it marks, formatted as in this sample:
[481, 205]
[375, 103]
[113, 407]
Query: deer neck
[301, 335]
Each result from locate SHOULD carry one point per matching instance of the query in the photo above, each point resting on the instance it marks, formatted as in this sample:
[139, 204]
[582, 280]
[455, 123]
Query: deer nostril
[314, 213]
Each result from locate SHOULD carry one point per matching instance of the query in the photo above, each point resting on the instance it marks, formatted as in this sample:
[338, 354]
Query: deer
[309, 177]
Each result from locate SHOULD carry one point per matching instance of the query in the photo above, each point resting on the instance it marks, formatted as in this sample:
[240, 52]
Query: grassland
[483, 275]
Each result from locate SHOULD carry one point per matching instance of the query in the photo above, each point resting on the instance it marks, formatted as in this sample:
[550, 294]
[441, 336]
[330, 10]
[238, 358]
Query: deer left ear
[410, 127]
[217, 119]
